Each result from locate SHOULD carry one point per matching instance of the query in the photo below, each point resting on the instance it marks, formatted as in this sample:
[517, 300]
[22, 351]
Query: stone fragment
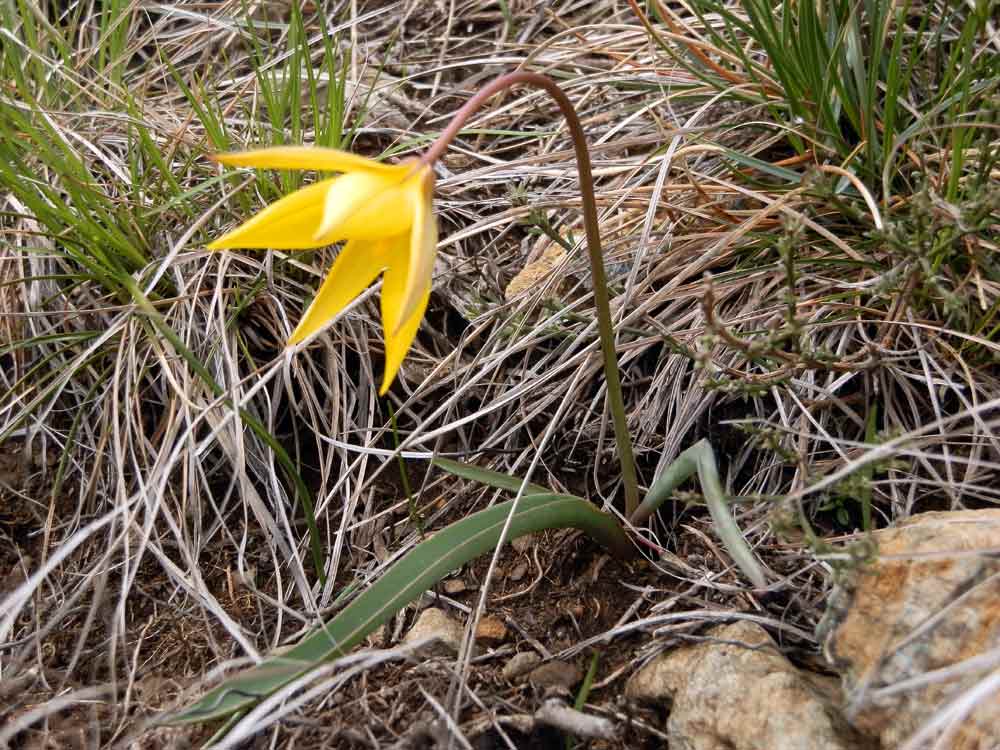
[738, 692]
[518, 572]
[520, 664]
[454, 586]
[929, 601]
[491, 630]
[444, 633]
[555, 674]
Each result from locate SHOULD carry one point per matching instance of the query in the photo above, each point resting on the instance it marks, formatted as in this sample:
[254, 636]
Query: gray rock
[555, 674]
[739, 692]
[518, 572]
[520, 664]
[930, 601]
[444, 633]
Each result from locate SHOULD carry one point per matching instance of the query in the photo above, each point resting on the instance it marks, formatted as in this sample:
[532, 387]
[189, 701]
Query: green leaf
[408, 578]
[781, 173]
[700, 459]
[487, 477]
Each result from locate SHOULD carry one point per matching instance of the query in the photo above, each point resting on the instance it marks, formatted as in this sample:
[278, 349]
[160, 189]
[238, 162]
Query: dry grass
[151, 538]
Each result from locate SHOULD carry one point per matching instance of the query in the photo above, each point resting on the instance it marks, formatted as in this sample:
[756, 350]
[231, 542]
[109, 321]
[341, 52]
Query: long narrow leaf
[722, 519]
[700, 459]
[487, 477]
[413, 574]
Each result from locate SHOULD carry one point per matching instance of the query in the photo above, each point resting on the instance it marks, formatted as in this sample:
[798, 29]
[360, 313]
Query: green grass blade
[790, 176]
[412, 575]
[588, 683]
[581, 697]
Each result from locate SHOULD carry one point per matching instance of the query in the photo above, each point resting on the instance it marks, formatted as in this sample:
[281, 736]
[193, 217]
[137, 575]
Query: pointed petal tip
[298, 336]
[237, 158]
[219, 244]
[309, 326]
[319, 158]
[228, 241]
[226, 157]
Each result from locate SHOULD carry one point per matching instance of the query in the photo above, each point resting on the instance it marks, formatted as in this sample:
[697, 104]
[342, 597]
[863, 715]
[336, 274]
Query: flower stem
[606, 332]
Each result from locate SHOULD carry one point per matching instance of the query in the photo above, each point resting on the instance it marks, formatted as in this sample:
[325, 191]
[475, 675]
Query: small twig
[555, 713]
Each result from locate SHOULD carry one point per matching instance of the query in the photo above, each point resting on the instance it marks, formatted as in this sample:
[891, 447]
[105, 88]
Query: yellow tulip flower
[385, 214]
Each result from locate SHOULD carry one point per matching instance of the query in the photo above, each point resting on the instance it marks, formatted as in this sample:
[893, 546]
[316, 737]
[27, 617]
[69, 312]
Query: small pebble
[520, 664]
[524, 543]
[555, 674]
[446, 634]
[519, 571]
[491, 630]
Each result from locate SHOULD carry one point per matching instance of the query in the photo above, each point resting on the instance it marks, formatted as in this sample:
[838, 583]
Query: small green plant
[435, 558]
[354, 207]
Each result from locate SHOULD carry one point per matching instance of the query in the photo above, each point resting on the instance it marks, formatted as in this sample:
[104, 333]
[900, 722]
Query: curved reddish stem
[616, 402]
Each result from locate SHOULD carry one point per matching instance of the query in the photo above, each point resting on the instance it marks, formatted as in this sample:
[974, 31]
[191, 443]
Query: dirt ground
[557, 593]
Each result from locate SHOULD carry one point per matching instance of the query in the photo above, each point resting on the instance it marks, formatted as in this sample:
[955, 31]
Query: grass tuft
[799, 214]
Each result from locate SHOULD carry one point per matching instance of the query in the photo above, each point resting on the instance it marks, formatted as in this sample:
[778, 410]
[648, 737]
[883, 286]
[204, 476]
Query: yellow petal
[398, 336]
[423, 245]
[288, 224]
[365, 206]
[307, 157]
[355, 268]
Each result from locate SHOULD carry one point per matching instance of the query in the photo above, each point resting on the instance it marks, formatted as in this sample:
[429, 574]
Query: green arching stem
[605, 330]
[700, 459]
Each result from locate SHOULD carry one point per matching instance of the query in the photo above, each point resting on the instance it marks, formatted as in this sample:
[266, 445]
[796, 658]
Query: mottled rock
[454, 586]
[444, 633]
[930, 600]
[738, 692]
[520, 664]
[555, 674]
